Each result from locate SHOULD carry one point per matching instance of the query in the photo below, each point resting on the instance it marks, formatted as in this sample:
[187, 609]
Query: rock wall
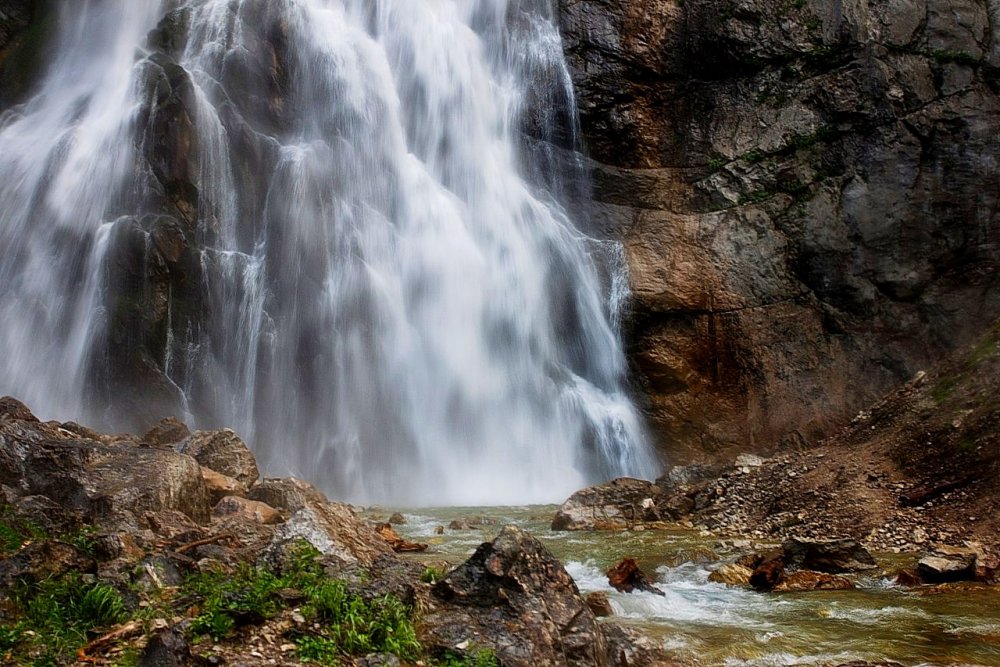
[808, 194]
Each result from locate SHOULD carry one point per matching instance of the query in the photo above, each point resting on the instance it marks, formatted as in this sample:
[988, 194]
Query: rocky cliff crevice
[808, 195]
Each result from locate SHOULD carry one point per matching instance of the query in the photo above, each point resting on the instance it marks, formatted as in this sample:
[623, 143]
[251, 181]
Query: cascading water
[317, 221]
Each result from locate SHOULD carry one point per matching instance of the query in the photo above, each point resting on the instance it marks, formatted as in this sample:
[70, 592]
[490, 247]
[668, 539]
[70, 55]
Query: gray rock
[617, 505]
[287, 493]
[224, 452]
[334, 530]
[831, 556]
[947, 564]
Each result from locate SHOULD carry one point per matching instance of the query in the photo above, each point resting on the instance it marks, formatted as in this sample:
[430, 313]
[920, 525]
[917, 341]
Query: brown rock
[11, 408]
[218, 486]
[908, 577]
[42, 560]
[222, 451]
[599, 604]
[947, 564]
[625, 576]
[804, 580]
[398, 544]
[241, 509]
[167, 432]
[832, 556]
[769, 573]
[397, 519]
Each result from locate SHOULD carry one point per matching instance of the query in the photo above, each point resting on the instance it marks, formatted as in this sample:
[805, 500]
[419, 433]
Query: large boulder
[106, 483]
[947, 564]
[621, 504]
[334, 530]
[224, 452]
[515, 598]
[832, 556]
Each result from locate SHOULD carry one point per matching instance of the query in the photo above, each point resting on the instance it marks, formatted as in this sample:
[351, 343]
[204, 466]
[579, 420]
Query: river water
[717, 625]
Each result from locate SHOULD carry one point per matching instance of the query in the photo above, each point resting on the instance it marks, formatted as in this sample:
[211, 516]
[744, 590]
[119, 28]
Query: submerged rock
[731, 574]
[804, 580]
[626, 577]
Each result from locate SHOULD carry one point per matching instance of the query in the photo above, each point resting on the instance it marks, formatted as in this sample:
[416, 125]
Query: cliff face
[808, 192]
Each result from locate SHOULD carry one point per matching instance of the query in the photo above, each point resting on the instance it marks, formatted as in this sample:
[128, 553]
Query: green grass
[56, 617]
[432, 575]
[475, 658]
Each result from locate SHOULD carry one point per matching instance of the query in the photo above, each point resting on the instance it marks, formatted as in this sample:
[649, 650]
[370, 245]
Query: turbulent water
[323, 223]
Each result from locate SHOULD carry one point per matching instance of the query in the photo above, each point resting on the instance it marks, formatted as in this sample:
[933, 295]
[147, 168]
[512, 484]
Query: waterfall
[327, 224]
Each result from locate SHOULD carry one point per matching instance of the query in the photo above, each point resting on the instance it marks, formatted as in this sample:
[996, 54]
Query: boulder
[105, 483]
[804, 580]
[287, 493]
[831, 556]
[626, 577]
[167, 432]
[15, 410]
[731, 574]
[335, 531]
[947, 564]
[218, 486]
[397, 519]
[515, 598]
[248, 511]
[617, 505]
[222, 451]
[167, 648]
[599, 604]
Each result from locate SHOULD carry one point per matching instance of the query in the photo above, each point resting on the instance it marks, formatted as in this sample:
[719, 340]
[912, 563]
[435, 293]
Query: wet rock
[804, 580]
[628, 647]
[768, 573]
[167, 648]
[224, 452]
[397, 519]
[218, 486]
[947, 564]
[439, 530]
[627, 577]
[908, 577]
[46, 514]
[42, 560]
[335, 531]
[167, 432]
[398, 544]
[599, 604]
[515, 598]
[731, 574]
[243, 510]
[617, 505]
[286, 493]
[470, 522]
[832, 556]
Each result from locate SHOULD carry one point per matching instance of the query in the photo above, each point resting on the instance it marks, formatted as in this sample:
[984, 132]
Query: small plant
[432, 575]
[84, 539]
[475, 658]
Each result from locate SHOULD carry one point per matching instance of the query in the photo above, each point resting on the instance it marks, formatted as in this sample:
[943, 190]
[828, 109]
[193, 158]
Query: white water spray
[387, 297]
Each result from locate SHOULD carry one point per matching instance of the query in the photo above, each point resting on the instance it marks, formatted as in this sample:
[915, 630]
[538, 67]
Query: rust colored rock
[398, 544]
[908, 577]
[626, 577]
[599, 604]
[769, 573]
[804, 580]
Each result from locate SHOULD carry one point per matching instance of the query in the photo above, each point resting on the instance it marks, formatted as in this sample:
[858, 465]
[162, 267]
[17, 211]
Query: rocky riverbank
[168, 549]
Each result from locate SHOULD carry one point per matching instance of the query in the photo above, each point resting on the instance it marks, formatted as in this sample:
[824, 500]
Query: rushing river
[717, 625]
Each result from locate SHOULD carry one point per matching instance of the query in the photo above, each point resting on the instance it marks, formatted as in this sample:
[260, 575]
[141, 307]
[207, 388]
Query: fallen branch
[200, 543]
[128, 630]
[921, 495]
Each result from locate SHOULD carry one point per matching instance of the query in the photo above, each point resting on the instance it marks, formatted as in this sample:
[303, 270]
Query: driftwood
[398, 544]
[200, 543]
[923, 494]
